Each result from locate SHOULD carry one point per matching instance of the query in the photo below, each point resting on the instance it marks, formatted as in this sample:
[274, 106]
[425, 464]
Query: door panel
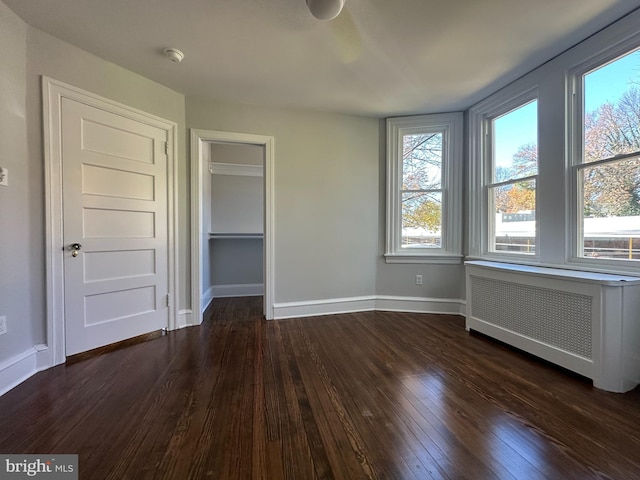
[114, 142]
[115, 206]
[113, 223]
[122, 264]
[108, 182]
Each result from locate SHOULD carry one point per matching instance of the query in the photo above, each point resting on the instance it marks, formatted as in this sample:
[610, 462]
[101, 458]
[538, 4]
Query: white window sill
[559, 273]
[606, 265]
[442, 259]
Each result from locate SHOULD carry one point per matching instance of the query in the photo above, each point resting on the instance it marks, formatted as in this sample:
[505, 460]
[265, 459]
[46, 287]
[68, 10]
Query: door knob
[75, 248]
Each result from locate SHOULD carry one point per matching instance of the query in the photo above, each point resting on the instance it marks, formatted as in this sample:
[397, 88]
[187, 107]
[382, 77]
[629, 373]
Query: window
[504, 176]
[424, 159]
[554, 160]
[512, 187]
[606, 167]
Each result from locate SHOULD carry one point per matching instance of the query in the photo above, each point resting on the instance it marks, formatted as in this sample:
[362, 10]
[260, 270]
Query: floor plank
[378, 395]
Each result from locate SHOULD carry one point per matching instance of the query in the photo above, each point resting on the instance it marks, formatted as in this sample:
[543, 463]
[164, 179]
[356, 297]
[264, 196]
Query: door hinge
[168, 298]
[166, 148]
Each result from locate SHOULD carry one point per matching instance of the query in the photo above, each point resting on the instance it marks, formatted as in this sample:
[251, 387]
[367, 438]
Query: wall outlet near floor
[3, 324]
[418, 279]
[4, 177]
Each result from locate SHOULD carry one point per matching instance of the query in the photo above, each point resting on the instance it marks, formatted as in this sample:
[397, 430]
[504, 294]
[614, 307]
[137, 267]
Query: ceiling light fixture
[325, 9]
[173, 54]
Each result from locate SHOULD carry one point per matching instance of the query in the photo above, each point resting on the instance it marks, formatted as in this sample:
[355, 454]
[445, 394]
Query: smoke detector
[173, 54]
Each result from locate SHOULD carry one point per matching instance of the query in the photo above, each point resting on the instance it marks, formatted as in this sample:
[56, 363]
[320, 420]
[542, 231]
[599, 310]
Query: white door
[115, 209]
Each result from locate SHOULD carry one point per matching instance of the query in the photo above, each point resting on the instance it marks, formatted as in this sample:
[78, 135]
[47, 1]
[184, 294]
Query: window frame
[481, 145]
[451, 126]
[575, 150]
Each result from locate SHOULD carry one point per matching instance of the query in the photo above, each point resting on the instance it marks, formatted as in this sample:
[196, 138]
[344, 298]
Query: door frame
[53, 92]
[200, 138]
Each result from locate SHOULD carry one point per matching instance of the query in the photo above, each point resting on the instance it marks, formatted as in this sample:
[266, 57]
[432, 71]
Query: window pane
[421, 220]
[515, 143]
[612, 109]
[422, 161]
[611, 210]
[514, 207]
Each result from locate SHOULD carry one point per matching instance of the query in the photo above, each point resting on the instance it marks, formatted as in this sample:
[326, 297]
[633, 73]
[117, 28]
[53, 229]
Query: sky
[511, 131]
[607, 83]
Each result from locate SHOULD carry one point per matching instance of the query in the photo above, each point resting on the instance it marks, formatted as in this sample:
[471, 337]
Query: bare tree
[422, 170]
[612, 130]
[611, 189]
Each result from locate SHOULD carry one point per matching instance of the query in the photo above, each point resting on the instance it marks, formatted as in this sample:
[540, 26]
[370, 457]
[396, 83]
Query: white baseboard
[333, 306]
[206, 298]
[389, 303]
[16, 370]
[44, 358]
[242, 290]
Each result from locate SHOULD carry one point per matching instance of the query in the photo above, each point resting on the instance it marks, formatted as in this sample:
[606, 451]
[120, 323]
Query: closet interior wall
[234, 261]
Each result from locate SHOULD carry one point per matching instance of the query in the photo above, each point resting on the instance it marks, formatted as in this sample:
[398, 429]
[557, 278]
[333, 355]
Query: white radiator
[585, 322]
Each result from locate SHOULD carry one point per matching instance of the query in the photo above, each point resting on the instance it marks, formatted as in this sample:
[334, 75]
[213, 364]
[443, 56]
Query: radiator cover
[556, 318]
[586, 322]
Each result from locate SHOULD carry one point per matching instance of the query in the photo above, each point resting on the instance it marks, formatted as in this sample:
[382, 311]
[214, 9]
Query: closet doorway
[231, 219]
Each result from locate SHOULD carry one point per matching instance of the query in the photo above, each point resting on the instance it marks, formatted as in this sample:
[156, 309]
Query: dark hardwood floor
[368, 395]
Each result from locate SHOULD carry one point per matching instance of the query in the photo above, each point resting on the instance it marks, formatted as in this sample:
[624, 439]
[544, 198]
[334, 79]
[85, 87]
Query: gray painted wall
[237, 154]
[20, 245]
[237, 206]
[326, 182]
[236, 262]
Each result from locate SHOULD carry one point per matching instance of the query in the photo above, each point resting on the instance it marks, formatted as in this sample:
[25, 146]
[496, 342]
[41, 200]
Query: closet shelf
[235, 236]
[243, 170]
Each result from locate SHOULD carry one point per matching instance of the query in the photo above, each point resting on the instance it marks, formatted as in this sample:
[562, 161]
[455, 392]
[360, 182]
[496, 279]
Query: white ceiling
[379, 57]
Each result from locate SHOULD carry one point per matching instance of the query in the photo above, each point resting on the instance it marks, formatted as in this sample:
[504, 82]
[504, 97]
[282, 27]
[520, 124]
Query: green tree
[425, 212]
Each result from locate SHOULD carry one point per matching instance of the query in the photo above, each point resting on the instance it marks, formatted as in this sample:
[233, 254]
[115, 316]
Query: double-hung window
[424, 189]
[554, 161]
[606, 160]
[511, 187]
[504, 177]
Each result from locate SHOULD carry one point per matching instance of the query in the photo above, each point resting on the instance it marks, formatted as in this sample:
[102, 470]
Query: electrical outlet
[418, 279]
[4, 177]
[3, 325]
